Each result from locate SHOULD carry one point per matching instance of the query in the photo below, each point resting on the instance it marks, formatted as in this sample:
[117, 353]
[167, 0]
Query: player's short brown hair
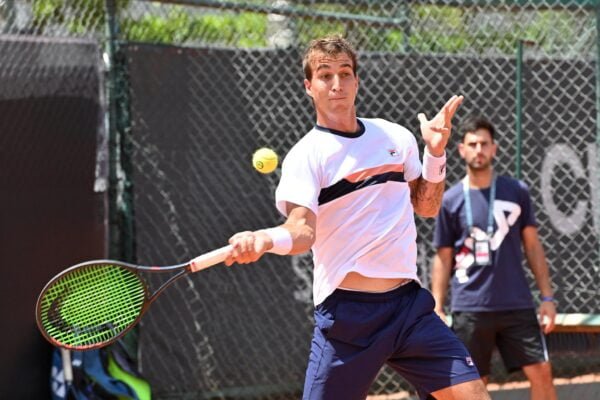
[332, 45]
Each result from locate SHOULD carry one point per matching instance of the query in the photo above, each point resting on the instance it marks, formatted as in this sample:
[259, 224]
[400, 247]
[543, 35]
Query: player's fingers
[254, 247]
[238, 236]
[422, 118]
[448, 104]
[455, 104]
[246, 249]
[443, 131]
[229, 257]
[254, 257]
[232, 256]
[446, 109]
[239, 248]
[259, 248]
[440, 129]
[456, 101]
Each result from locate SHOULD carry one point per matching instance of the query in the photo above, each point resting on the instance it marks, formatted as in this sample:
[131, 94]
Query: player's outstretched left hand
[436, 131]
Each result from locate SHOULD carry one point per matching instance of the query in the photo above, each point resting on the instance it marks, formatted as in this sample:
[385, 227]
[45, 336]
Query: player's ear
[494, 149]
[307, 87]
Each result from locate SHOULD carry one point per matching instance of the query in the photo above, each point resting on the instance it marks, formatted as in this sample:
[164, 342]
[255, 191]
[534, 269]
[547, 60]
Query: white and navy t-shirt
[502, 285]
[357, 186]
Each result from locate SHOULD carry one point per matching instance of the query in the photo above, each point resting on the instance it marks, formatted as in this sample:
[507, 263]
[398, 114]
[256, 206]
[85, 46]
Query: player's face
[478, 149]
[333, 85]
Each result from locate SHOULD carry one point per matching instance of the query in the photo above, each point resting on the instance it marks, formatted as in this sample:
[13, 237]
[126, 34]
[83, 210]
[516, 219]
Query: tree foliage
[429, 28]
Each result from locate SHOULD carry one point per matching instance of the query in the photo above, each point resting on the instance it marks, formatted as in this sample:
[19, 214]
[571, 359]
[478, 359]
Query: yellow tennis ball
[265, 160]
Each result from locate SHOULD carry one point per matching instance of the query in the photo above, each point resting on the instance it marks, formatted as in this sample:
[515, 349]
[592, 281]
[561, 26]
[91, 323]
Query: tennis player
[349, 189]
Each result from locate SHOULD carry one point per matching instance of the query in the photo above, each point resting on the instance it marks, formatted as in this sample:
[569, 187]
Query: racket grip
[209, 259]
[67, 366]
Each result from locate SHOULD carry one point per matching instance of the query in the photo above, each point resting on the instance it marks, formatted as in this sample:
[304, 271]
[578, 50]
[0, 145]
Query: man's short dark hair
[332, 45]
[475, 122]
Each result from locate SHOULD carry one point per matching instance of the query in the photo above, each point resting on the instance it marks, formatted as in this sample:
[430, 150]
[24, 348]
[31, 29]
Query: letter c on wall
[556, 156]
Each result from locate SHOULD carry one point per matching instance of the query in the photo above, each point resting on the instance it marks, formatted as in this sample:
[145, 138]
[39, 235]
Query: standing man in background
[479, 231]
[349, 190]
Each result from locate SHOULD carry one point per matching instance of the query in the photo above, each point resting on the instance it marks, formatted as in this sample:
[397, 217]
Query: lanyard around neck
[468, 209]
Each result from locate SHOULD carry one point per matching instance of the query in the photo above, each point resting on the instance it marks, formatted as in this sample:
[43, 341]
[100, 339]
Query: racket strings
[92, 305]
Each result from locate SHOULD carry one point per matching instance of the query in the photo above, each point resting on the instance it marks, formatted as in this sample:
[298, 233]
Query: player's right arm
[249, 246]
[296, 197]
[441, 270]
[301, 223]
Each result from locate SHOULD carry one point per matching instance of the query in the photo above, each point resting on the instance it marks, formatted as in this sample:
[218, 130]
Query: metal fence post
[121, 228]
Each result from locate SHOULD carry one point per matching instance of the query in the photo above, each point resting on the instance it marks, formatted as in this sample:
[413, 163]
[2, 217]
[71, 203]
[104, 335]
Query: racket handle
[209, 259]
[67, 366]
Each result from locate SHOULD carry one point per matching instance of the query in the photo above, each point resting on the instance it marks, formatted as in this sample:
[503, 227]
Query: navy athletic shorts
[517, 334]
[356, 333]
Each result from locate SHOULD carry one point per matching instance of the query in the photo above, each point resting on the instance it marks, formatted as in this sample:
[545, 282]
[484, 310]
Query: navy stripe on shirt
[345, 187]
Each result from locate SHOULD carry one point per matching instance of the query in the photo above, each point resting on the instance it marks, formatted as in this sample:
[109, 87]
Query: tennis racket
[92, 304]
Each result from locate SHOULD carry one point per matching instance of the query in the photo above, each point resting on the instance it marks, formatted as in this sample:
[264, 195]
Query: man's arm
[426, 197]
[426, 194]
[301, 223]
[441, 270]
[536, 259]
[248, 246]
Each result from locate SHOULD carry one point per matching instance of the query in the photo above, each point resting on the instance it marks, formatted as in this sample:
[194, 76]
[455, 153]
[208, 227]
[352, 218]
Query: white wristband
[434, 168]
[282, 240]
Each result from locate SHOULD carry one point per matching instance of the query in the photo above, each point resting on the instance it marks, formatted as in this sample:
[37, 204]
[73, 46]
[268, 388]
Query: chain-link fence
[195, 86]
